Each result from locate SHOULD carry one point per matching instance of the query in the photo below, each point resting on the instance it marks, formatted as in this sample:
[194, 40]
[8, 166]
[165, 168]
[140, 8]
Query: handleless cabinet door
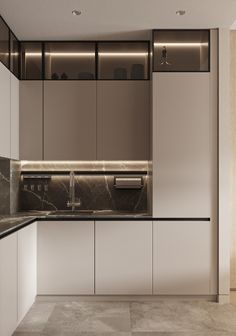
[14, 117]
[65, 257]
[123, 120]
[27, 266]
[184, 258]
[31, 120]
[70, 120]
[123, 251]
[182, 148]
[8, 285]
[5, 110]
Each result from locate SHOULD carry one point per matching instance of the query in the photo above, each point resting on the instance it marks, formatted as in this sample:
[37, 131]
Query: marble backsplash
[96, 192]
[10, 171]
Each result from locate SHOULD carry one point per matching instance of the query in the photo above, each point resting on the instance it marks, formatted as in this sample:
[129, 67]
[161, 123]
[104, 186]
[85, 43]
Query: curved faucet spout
[72, 202]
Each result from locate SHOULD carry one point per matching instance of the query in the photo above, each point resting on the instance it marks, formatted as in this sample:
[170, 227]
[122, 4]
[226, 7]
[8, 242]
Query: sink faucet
[72, 200]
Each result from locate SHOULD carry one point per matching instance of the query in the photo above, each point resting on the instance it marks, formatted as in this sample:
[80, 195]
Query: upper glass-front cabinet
[70, 60]
[82, 60]
[123, 60]
[181, 50]
[14, 55]
[31, 60]
[4, 43]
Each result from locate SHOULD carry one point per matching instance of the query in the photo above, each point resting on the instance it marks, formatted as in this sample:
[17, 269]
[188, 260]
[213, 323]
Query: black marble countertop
[10, 224]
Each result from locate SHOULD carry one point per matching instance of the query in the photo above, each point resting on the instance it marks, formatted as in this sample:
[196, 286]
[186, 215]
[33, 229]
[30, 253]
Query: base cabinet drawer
[65, 257]
[183, 258]
[123, 251]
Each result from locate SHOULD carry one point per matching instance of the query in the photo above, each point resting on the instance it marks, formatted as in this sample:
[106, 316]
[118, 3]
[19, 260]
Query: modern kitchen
[117, 157]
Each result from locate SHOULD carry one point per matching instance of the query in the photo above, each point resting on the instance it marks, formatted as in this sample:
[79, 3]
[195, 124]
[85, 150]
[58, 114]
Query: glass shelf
[181, 50]
[14, 55]
[4, 43]
[123, 60]
[31, 60]
[70, 60]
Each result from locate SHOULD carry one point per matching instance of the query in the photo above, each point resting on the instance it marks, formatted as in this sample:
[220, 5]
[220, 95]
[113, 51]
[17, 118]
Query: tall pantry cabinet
[185, 162]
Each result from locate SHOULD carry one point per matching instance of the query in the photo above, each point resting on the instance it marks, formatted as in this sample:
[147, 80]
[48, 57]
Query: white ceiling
[52, 19]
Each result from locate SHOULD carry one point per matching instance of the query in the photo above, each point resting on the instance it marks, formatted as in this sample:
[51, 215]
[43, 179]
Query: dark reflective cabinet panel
[181, 50]
[14, 54]
[123, 60]
[4, 43]
[70, 60]
[31, 60]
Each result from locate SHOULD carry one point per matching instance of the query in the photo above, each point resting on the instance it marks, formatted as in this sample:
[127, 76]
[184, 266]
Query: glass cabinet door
[14, 55]
[181, 50]
[4, 43]
[31, 60]
[123, 60]
[70, 60]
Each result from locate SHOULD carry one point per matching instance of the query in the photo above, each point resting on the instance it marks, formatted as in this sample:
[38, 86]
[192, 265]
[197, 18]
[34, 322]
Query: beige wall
[233, 157]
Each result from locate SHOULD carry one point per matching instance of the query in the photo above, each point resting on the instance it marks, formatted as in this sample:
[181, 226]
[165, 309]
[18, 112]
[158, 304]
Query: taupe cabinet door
[15, 89]
[123, 118]
[31, 120]
[70, 120]
[5, 110]
[183, 145]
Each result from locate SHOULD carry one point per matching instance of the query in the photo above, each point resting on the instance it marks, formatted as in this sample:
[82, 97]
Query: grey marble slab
[15, 174]
[10, 171]
[96, 192]
[4, 186]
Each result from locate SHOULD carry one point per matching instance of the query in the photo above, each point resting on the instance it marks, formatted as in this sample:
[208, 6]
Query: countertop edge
[27, 221]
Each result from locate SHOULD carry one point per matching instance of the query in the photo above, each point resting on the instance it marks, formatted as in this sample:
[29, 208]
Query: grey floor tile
[223, 317]
[88, 334]
[90, 317]
[28, 334]
[183, 317]
[36, 319]
[182, 334]
[164, 318]
[169, 317]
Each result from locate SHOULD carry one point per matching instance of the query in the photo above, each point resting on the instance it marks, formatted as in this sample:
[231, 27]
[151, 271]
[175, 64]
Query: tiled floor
[163, 318]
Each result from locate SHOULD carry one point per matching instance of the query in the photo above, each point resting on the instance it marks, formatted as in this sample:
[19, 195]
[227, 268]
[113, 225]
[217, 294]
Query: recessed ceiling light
[180, 12]
[76, 12]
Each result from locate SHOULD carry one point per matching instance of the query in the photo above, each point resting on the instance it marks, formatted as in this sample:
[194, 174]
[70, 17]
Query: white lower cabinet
[183, 258]
[65, 257]
[27, 267]
[8, 285]
[123, 251]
